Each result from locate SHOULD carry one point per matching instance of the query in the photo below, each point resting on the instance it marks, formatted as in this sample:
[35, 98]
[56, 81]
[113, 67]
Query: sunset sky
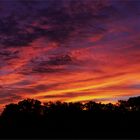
[69, 50]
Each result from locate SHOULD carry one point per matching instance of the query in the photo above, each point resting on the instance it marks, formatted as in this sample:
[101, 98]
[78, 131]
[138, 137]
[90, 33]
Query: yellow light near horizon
[108, 83]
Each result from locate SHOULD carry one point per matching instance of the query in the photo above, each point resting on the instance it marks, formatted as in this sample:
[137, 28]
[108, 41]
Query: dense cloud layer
[69, 50]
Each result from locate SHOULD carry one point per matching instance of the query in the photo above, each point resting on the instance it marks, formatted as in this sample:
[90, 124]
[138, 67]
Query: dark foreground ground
[30, 119]
[80, 128]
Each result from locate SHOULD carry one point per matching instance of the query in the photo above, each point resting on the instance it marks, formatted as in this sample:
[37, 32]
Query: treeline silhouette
[32, 119]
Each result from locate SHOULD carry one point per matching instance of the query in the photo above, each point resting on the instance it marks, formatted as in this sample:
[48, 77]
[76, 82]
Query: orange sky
[61, 55]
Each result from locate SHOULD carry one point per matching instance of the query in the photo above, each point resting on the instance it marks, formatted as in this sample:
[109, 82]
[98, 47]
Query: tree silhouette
[134, 103]
[30, 106]
[10, 115]
[10, 110]
[30, 117]
[93, 106]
